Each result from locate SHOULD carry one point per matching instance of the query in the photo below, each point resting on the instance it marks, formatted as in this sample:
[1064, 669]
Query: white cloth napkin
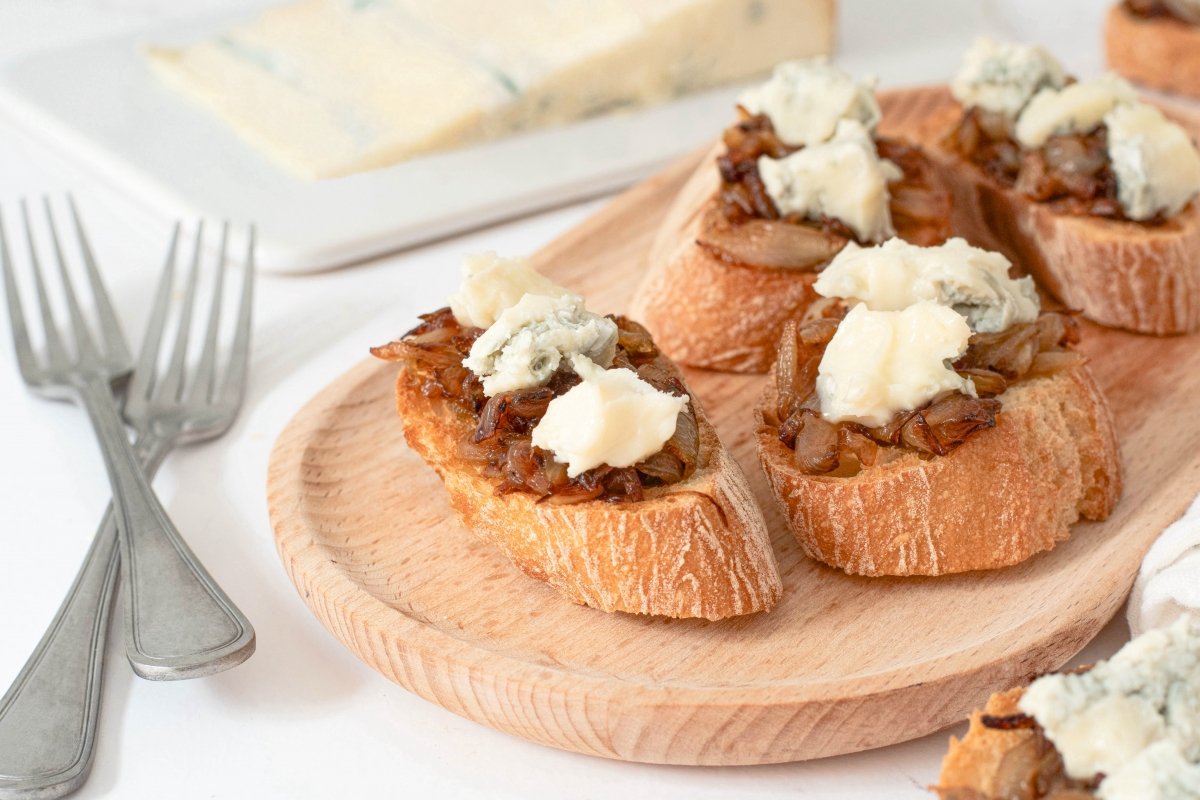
[1168, 584]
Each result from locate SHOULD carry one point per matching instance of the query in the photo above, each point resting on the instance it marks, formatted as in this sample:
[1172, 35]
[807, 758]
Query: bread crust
[1161, 52]
[973, 763]
[1003, 495]
[699, 548]
[1121, 274]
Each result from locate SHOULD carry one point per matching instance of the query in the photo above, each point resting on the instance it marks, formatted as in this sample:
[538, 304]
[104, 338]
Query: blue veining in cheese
[843, 178]
[528, 341]
[1155, 162]
[1134, 718]
[331, 87]
[1003, 76]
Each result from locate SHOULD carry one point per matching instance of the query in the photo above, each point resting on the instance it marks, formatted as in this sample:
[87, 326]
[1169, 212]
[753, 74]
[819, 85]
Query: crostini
[571, 443]
[1122, 730]
[798, 176]
[1156, 43]
[1079, 182]
[928, 418]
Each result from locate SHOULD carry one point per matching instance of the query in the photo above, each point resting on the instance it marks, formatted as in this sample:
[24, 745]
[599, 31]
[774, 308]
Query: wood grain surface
[842, 664]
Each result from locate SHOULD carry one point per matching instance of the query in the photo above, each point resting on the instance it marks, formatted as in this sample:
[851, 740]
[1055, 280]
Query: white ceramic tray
[100, 103]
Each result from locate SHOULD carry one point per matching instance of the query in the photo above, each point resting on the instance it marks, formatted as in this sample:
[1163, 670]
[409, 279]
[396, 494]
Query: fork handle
[48, 716]
[178, 621]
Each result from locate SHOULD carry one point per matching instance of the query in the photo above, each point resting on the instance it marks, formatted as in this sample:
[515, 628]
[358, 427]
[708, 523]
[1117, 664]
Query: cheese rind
[842, 178]
[882, 362]
[896, 274]
[806, 99]
[528, 341]
[1073, 109]
[1003, 76]
[612, 417]
[491, 284]
[1133, 717]
[1156, 164]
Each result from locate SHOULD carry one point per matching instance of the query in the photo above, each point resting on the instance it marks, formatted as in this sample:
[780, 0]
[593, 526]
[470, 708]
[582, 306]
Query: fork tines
[206, 384]
[109, 349]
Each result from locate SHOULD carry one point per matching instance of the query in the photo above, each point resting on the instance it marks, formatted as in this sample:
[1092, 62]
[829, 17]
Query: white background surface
[303, 718]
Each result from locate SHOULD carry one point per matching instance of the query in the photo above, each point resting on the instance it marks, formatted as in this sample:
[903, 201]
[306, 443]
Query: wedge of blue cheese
[332, 87]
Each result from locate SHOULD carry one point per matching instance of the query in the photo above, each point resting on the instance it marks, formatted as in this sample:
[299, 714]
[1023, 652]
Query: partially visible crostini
[1080, 183]
[1121, 730]
[1156, 43]
[942, 425]
[797, 177]
[568, 441]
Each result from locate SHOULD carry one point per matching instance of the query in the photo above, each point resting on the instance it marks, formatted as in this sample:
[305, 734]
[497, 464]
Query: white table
[303, 718]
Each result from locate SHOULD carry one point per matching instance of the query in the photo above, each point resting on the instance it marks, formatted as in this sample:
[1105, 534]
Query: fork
[48, 717]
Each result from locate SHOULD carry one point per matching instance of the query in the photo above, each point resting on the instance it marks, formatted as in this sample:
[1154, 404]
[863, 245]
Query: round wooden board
[842, 664]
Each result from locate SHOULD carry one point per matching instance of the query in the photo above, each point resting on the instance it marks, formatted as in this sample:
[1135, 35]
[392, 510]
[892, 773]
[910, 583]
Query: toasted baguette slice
[973, 762]
[972, 766]
[698, 548]
[1006, 493]
[1011, 758]
[1143, 278]
[707, 311]
[1161, 52]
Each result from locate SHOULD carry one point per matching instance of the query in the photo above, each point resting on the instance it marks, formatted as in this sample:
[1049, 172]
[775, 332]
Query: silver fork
[48, 717]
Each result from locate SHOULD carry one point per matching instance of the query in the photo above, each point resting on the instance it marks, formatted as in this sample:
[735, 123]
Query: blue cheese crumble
[528, 341]
[1134, 719]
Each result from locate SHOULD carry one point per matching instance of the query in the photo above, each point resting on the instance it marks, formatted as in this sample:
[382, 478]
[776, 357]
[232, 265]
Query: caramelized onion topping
[769, 243]
[750, 230]
[1071, 171]
[1148, 9]
[500, 442]
[993, 361]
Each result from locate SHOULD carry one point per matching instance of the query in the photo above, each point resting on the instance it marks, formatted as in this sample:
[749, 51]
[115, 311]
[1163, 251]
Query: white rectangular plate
[101, 103]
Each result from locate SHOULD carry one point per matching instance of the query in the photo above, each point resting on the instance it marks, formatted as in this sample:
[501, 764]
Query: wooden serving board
[842, 664]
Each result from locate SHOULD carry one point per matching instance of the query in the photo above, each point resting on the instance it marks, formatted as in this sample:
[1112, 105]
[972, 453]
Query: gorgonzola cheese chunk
[1073, 109]
[1156, 164]
[882, 362]
[806, 99]
[1002, 76]
[528, 341]
[842, 178]
[1135, 718]
[491, 284]
[897, 274]
[613, 417]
